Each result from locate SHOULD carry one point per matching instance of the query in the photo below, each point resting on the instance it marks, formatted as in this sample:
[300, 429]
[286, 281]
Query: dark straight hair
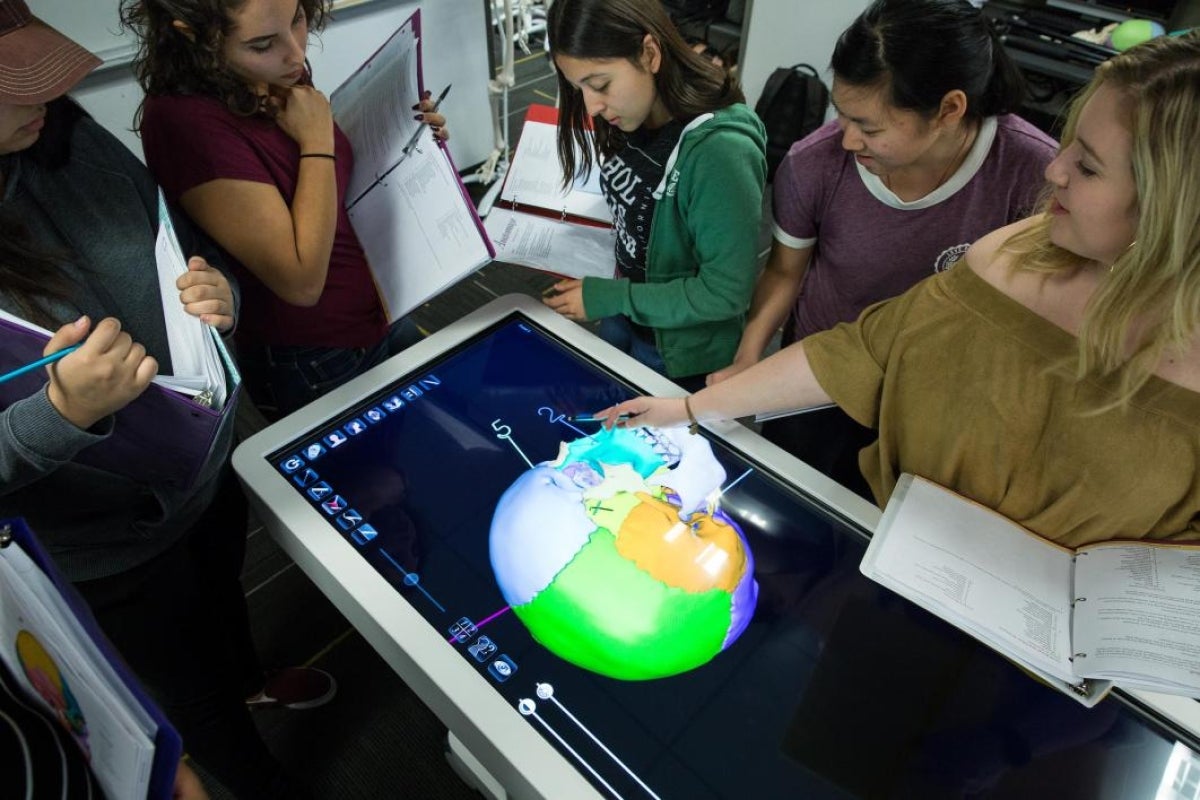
[30, 274]
[687, 83]
[168, 61]
[923, 49]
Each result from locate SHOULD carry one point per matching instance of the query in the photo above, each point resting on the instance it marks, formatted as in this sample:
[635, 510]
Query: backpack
[695, 10]
[792, 106]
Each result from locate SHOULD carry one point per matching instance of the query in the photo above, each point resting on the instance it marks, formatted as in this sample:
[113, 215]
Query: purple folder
[161, 437]
[168, 747]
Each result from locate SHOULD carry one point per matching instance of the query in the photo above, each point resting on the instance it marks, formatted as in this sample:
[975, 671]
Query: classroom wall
[454, 51]
[786, 32]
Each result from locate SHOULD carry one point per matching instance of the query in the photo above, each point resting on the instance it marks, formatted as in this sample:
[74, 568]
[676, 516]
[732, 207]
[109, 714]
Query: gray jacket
[102, 209]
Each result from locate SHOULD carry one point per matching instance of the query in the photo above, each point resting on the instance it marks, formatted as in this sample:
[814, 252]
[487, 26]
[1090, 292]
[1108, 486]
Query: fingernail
[419, 117]
[81, 322]
[416, 106]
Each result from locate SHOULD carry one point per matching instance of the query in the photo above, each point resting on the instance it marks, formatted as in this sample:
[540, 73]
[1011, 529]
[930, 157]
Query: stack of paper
[198, 365]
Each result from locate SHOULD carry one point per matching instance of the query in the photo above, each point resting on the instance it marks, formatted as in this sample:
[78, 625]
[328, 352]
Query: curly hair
[688, 83]
[170, 61]
[1150, 297]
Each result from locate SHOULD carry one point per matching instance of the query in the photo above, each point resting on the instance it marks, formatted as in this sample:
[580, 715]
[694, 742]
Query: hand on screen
[659, 412]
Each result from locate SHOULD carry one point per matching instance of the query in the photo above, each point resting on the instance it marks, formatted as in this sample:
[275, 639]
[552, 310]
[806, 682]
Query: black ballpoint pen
[412, 141]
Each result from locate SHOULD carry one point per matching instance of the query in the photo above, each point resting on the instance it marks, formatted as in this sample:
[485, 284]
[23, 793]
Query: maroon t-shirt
[191, 140]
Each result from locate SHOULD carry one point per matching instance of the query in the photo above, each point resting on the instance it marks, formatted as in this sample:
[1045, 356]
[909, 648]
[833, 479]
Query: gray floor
[376, 739]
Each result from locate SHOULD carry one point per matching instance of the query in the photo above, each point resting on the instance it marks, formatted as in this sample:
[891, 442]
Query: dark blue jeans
[281, 379]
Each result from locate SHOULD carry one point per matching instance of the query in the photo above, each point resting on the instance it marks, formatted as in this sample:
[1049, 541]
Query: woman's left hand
[436, 121]
[205, 293]
[568, 300]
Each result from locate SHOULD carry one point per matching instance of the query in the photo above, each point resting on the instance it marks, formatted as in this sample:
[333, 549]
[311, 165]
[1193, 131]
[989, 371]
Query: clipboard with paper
[47, 633]
[165, 435]
[412, 214]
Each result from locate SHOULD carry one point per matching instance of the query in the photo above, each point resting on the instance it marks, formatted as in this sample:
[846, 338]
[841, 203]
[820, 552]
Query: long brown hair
[687, 83]
[31, 275]
[171, 62]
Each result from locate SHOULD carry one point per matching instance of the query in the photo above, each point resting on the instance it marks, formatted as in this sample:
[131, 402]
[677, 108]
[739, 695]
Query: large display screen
[674, 619]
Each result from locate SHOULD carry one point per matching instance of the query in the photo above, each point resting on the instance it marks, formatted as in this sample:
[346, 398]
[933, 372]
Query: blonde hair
[1149, 303]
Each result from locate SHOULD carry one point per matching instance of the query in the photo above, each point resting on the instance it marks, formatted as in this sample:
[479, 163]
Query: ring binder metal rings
[1083, 688]
[563, 217]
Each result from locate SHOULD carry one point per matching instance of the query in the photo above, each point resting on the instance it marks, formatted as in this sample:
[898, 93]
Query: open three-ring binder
[411, 212]
[52, 645]
[1118, 612]
[539, 223]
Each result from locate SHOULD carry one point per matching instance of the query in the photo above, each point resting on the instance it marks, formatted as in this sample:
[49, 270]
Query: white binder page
[1141, 614]
[979, 571]
[576, 251]
[373, 107]
[419, 233]
[194, 359]
[59, 663]
[535, 178]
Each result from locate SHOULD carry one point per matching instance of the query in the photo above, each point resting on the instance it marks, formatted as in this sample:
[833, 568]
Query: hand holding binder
[163, 434]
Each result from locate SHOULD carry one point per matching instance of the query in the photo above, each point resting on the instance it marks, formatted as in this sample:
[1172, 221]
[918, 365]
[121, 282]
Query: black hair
[688, 84]
[31, 275]
[170, 61]
[923, 49]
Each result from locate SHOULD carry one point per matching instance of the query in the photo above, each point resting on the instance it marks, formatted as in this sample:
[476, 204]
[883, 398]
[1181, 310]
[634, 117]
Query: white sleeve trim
[786, 239]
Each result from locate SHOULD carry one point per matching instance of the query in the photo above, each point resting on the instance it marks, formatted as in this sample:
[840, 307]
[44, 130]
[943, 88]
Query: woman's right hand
[657, 412]
[102, 376]
[304, 114]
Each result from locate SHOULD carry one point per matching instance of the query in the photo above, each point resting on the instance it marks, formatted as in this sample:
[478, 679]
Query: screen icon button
[305, 477]
[319, 490]
[314, 451]
[463, 630]
[502, 668]
[483, 649]
[355, 426]
[334, 505]
[348, 519]
[374, 415]
[291, 464]
[363, 534]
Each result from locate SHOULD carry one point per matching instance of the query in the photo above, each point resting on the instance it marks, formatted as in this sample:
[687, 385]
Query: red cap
[37, 63]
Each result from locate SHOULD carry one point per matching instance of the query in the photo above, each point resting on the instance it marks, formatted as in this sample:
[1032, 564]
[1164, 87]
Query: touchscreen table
[663, 611]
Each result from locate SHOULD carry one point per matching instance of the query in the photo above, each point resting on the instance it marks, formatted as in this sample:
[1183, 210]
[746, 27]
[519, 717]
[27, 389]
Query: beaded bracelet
[693, 423]
[330, 156]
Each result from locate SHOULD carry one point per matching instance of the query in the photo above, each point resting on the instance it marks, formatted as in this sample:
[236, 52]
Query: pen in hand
[412, 141]
[594, 418]
[41, 362]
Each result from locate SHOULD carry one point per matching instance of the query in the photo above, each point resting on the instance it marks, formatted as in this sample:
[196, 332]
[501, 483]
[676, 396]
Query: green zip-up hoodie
[701, 258]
